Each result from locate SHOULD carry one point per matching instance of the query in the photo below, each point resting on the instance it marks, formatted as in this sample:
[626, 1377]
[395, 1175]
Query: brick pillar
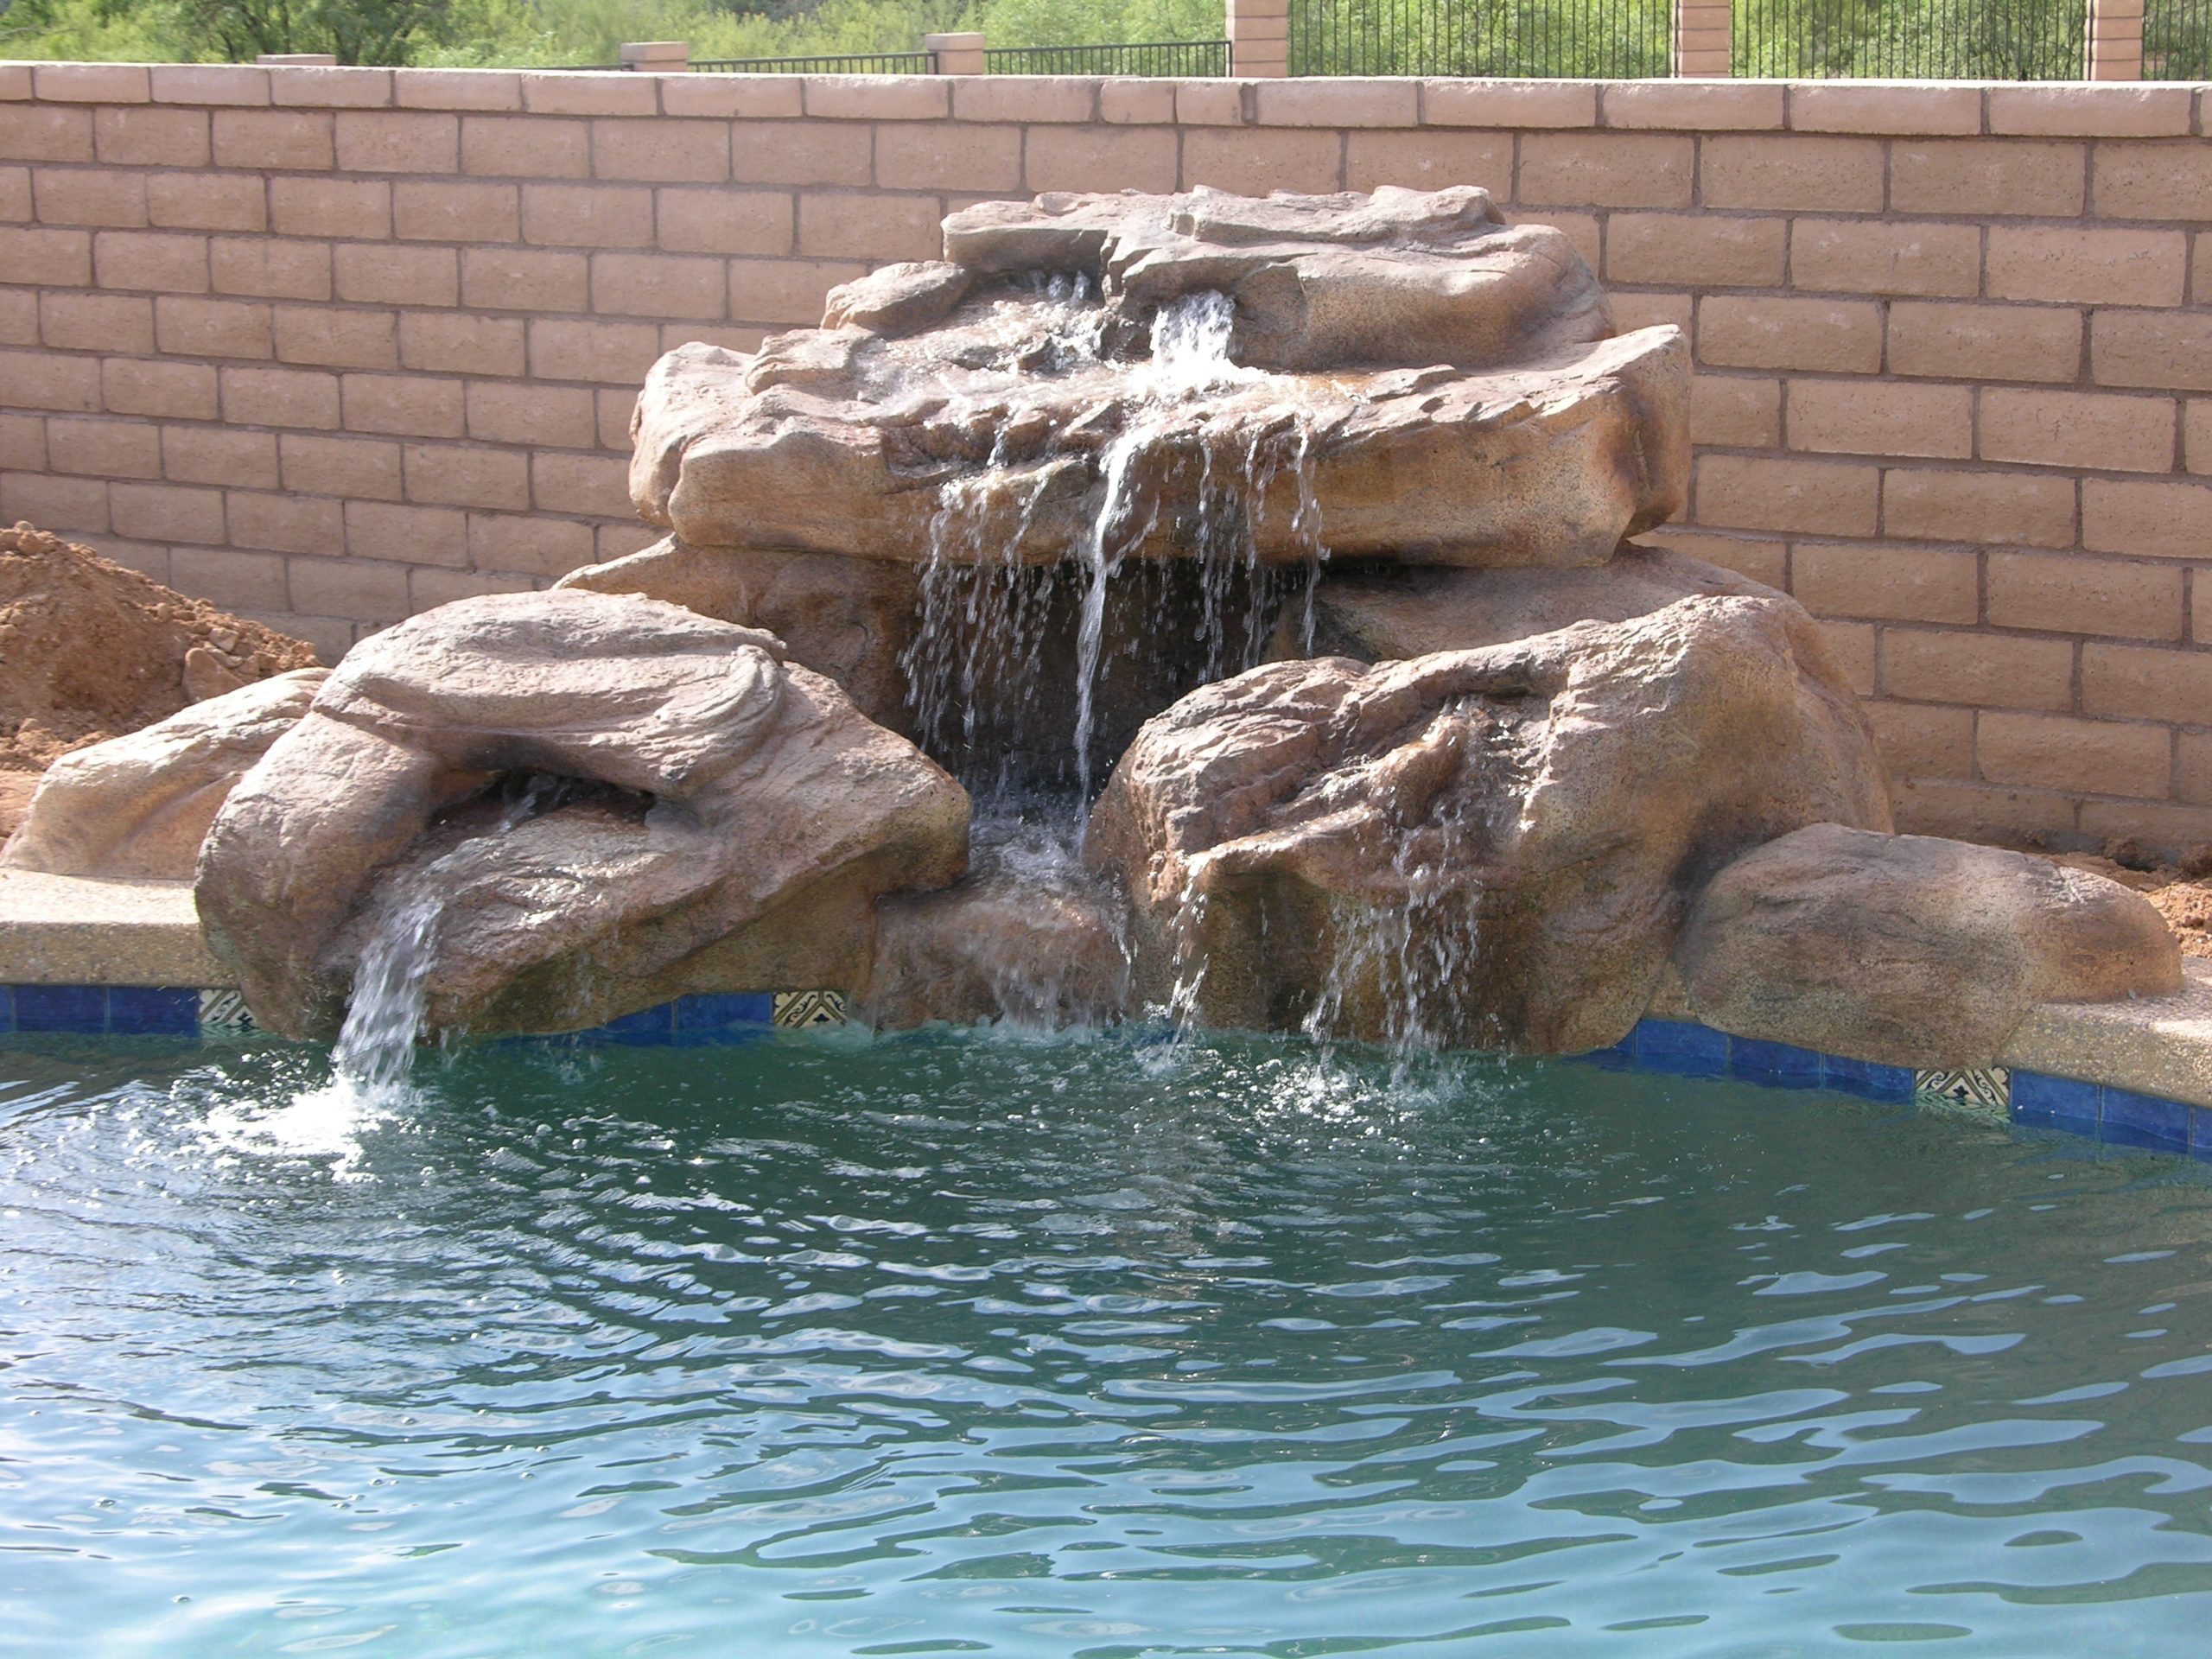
[956, 55]
[658, 57]
[1704, 35]
[2115, 39]
[313, 60]
[1259, 39]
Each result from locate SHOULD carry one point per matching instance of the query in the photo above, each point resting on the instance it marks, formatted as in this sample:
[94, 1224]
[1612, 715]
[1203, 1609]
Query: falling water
[384, 1016]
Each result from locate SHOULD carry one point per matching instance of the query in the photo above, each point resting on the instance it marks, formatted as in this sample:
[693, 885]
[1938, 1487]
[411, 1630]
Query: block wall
[330, 346]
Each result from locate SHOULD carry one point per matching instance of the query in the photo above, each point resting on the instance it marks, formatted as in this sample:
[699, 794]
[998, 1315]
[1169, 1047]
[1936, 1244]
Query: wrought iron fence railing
[1911, 40]
[1620, 39]
[847, 63]
[2177, 40]
[1146, 58]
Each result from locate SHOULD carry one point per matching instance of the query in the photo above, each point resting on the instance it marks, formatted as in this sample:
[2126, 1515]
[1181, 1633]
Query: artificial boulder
[138, 806]
[580, 805]
[1911, 950]
[1378, 611]
[1089, 370]
[1025, 937]
[851, 620]
[1487, 848]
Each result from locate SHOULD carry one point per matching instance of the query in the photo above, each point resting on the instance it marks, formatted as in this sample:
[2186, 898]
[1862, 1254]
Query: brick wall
[328, 345]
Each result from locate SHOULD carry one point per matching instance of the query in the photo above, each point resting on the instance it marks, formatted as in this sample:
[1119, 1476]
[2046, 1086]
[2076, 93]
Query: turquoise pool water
[1099, 1347]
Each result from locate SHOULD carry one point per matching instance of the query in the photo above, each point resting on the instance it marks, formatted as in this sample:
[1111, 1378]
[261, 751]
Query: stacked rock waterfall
[1197, 608]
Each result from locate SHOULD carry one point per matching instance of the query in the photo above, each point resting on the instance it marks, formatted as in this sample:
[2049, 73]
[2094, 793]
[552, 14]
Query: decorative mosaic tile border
[1675, 1047]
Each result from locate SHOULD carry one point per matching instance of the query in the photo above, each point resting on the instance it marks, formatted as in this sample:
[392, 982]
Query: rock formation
[1303, 515]
[1911, 950]
[588, 804]
[1487, 848]
[1454, 387]
[138, 806]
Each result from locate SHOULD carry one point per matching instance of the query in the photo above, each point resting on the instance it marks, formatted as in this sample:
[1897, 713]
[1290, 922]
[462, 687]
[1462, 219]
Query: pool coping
[94, 957]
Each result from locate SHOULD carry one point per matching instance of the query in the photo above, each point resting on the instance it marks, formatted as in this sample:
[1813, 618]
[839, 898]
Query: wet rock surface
[137, 807]
[1452, 387]
[1488, 848]
[578, 805]
[1026, 936]
[1911, 950]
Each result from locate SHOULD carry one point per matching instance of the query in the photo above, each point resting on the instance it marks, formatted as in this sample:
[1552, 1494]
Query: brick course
[329, 346]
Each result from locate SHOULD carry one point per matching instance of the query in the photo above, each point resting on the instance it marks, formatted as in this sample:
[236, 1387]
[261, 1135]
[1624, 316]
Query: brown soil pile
[90, 651]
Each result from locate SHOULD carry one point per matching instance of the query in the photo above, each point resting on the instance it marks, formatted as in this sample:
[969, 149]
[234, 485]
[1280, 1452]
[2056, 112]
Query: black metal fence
[1911, 40]
[1195, 58]
[2177, 40]
[851, 63]
[1616, 39]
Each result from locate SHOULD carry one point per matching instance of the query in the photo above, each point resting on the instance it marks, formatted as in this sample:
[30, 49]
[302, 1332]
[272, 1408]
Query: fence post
[954, 54]
[1705, 36]
[657, 57]
[1259, 39]
[2115, 39]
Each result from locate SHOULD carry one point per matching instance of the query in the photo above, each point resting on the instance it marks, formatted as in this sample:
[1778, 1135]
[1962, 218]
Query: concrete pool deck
[2137, 1073]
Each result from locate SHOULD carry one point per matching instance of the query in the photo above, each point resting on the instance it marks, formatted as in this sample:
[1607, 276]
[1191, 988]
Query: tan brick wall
[331, 346]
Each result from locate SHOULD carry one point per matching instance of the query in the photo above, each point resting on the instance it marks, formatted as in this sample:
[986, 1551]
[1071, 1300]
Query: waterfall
[990, 664]
[385, 1014]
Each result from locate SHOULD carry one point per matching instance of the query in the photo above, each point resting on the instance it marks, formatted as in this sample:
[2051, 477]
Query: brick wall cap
[228, 85]
[1337, 101]
[1912, 107]
[589, 92]
[328, 89]
[876, 97]
[459, 89]
[2095, 110]
[1471, 102]
[92, 83]
[14, 82]
[733, 97]
[1026, 98]
[1693, 105]
[1131, 99]
[1211, 103]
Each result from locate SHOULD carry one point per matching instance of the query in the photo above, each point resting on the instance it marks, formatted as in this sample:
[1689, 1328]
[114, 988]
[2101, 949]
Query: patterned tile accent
[224, 1011]
[797, 1008]
[1989, 1087]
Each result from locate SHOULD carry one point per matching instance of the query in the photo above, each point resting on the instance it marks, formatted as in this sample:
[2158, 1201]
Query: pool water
[1101, 1346]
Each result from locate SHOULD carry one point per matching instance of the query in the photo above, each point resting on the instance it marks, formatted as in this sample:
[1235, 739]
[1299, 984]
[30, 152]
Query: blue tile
[2057, 1103]
[1676, 1046]
[2132, 1119]
[718, 1011]
[151, 1011]
[1869, 1079]
[2200, 1132]
[7, 1007]
[60, 1007]
[1782, 1066]
[1621, 1057]
[655, 1025]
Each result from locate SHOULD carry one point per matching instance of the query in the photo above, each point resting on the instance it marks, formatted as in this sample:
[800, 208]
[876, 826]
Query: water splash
[384, 1019]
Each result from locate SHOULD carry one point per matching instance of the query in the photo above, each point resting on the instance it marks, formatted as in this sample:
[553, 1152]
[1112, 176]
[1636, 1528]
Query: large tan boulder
[1911, 950]
[1488, 847]
[137, 807]
[600, 803]
[850, 620]
[1449, 388]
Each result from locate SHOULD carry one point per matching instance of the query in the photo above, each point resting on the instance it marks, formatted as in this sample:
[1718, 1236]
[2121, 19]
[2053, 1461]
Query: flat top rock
[72, 930]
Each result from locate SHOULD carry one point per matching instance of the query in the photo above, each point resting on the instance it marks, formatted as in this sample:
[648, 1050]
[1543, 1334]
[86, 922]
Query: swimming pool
[1102, 1346]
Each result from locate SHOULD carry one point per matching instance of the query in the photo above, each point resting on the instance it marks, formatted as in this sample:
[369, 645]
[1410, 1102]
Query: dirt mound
[90, 651]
